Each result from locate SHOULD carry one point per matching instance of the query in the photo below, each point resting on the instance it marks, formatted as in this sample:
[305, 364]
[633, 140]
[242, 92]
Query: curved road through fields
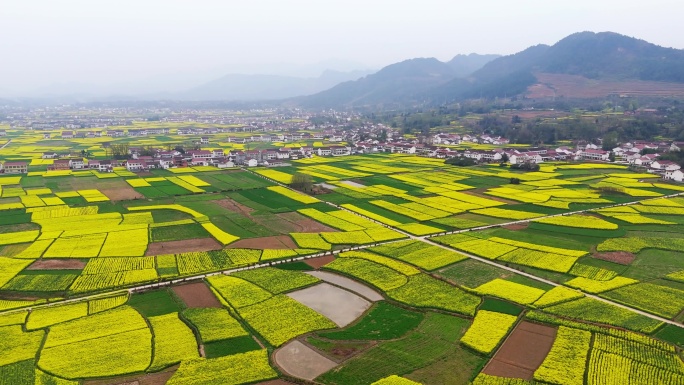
[418, 238]
[490, 262]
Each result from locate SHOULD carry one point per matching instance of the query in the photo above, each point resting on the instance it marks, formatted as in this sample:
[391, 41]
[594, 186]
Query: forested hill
[601, 56]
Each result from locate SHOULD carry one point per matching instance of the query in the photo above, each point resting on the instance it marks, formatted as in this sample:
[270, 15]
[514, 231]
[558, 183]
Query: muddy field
[301, 361]
[196, 294]
[122, 193]
[57, 264]
[184, 246]
[523, 351]
[619, 257]
[348, 284]
[277, 242]
[320, 261]
[339, 305]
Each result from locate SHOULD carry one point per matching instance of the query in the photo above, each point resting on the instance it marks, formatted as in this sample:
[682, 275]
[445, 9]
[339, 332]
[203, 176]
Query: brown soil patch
[341, 350]
[196, 294]
[160, 378]
[575, 86]
[283, 223]
[276, 242]
[275, 382]
[14, 296]
[516, 226]
[232, 205]
[123, 193]
[57, 264]
[522, 352]
[619, 257]
[184, 246]
[319, 262]
[306, 225]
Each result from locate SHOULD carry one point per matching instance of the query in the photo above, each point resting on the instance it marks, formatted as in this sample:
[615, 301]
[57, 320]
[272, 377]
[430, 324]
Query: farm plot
[233, 369]
[338, 305]
[566, 362]
[301, 361]
[487, 330]
[432, 341]
[522, 352]
[73, 349]
[174, 342]
[420, 254]
[280, 318]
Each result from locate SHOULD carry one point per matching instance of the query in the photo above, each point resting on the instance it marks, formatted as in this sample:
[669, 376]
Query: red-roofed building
[16, 167]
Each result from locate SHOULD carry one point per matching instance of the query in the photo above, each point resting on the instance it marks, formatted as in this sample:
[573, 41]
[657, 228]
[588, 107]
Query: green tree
[302, 182]
[610, 141]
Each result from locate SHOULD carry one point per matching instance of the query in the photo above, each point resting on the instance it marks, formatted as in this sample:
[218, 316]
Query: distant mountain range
[266, 87]
[603, 57]
[582, 65]
[408, 80]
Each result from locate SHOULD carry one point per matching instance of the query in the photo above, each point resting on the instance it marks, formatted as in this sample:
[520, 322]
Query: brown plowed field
[57, 264]
[620, 257]
[320, 261]
[517, 226]
[196, 294]
[304, 224]
[283, 223]
[122, 193]
[232, 205]
[574, 86]
[522, 352]
[184, 246]
[277, 242]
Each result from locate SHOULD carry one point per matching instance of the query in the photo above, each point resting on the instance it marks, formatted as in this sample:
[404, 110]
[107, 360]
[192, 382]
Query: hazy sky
[174, 43]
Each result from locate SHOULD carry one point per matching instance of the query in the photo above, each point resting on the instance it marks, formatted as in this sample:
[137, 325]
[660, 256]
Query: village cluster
[208, 150]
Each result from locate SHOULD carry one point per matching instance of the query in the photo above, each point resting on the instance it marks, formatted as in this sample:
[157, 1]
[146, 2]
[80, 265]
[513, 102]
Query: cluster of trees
[461, 161]
[527, 166]
[302, 182]
[118, 150]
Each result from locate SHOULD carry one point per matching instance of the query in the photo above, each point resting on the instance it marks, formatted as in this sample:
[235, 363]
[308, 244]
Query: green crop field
[430, 307]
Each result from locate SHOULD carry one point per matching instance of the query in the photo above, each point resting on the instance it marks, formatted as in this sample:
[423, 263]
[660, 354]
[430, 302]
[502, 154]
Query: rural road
[418, 238]
[510, 269]
[6, 144]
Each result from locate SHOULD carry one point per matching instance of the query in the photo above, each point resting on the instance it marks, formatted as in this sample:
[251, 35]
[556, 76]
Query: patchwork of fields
[442, 246]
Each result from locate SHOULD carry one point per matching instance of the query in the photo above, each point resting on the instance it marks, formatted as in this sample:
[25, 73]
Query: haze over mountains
[602, 56]
[608, 62]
